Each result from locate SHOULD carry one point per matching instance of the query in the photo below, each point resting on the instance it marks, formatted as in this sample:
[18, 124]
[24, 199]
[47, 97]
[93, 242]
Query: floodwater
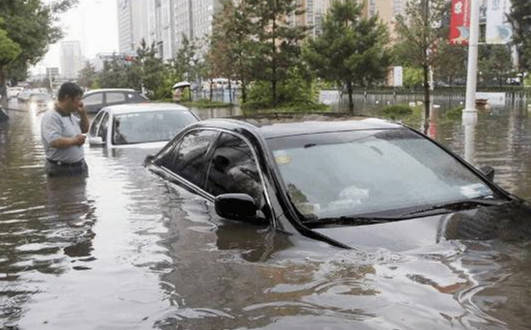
[124, 250]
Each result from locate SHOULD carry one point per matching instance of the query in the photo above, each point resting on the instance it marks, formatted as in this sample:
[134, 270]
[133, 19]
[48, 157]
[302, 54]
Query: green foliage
[351, 50]
[295, 90]
[494, 60]
[187, 62]
[527, 81]
[419, 37]
[231, 52]
[520, 19]
[156, 78]
[87, 76]
[30, 24]
[412, 77]
[118, 74]
[275, 41]
[397, 110]
[451, 63]
[9, 50]
[453, 114]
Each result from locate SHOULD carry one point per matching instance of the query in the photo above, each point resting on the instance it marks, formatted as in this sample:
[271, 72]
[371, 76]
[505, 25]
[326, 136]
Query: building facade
[71, 59]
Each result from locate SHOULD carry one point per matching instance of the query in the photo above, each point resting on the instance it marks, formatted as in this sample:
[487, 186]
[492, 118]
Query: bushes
[295, 93]
[397, 110]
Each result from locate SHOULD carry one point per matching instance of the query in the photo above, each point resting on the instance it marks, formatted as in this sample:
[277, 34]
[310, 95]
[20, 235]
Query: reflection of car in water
[348, 181]
[39, 103]
[138, 125]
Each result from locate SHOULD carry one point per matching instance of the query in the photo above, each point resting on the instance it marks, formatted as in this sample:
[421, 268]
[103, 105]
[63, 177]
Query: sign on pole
[499, 30]
[398, 80]
[460, 22]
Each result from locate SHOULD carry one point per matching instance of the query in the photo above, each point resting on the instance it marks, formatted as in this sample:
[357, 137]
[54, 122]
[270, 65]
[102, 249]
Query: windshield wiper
[457, 205]
[348, 221]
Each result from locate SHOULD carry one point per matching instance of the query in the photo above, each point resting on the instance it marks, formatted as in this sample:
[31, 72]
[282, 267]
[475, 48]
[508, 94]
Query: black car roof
[277, 125]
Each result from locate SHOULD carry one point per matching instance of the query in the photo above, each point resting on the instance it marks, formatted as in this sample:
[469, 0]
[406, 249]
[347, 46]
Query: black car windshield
[370, 171]
[149, 126]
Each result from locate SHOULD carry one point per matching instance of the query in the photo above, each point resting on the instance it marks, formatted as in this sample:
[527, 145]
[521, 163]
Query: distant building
[193, 19]
[52, 73]
[125, 26]
[71, 59]
[150, 20]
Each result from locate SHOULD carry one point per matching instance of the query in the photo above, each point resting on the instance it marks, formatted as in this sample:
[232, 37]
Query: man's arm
[84, 123]
[65, 142]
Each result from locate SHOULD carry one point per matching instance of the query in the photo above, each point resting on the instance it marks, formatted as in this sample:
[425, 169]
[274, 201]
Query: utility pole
[471, 80]
[470, 113]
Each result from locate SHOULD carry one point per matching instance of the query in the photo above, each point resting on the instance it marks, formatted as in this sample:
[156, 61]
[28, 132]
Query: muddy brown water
[123, 250]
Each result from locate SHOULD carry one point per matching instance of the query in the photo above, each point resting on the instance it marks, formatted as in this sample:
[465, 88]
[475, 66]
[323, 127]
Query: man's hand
[79, 139]
[81, 109]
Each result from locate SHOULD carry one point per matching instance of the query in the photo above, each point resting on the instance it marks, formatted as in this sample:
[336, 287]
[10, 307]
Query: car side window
[233, 169]
[95, 123]
[115, 97]
[188, 157]
[102, 131]
[93, 99]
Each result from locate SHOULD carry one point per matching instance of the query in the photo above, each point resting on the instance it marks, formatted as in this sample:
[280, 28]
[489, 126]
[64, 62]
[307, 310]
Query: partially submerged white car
[142, 125]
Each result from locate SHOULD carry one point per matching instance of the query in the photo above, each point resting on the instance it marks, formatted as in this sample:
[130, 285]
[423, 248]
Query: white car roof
[143, 107]
[109, 90]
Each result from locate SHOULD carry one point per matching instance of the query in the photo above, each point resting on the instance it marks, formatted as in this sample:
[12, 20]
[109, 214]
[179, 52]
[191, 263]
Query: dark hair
[69, 89]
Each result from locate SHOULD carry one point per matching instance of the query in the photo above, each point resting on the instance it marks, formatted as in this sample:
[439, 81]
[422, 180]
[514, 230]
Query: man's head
[69, 97]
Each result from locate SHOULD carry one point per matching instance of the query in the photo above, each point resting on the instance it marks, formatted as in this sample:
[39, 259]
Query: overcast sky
[94, 23]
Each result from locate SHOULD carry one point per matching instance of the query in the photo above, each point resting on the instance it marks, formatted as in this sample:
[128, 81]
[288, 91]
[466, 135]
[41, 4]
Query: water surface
[123, 249]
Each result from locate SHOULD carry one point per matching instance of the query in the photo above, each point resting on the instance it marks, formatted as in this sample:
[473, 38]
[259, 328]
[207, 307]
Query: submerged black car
[348, 181]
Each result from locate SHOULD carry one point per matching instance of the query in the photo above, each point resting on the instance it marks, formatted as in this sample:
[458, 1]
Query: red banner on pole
[460, 22]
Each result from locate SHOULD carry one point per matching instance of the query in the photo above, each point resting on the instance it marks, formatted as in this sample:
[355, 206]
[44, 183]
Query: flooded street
[124, 250]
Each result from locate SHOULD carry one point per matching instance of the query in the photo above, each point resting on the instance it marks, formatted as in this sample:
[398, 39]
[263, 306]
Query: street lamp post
[471, 80]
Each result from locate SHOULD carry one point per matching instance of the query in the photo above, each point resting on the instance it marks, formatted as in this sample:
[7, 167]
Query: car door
[115, 97]
[187, 157]
[93, 102]
[104, 127]
[233, 169]
[94, 126]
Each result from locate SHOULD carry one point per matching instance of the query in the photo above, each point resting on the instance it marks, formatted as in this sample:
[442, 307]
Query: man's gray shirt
[54, 126]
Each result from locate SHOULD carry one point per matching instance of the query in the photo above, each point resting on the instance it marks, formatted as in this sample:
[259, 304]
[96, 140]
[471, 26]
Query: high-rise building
[71, 59]
[125, 26]
[150, 20]
[193, 18]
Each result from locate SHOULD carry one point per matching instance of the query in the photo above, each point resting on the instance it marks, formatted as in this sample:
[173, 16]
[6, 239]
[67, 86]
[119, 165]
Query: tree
[88, 77]
[420, 34]
[9, 50]
[186, 61]
[151, 71]
[493, 62]
[351, 50]
[31, 25]
[451, 62]
[117, 73]
[520, 19]
[276, 41]
[231, 50]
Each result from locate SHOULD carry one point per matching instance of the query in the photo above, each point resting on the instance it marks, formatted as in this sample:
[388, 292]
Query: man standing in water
[61, 133]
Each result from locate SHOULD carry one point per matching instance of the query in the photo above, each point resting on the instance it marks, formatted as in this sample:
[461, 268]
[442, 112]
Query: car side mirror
[235, 206]
[488, 171]
[96, 140]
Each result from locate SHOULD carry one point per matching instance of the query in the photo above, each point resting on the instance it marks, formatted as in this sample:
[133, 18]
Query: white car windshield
[369, 171]
[149, 126]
